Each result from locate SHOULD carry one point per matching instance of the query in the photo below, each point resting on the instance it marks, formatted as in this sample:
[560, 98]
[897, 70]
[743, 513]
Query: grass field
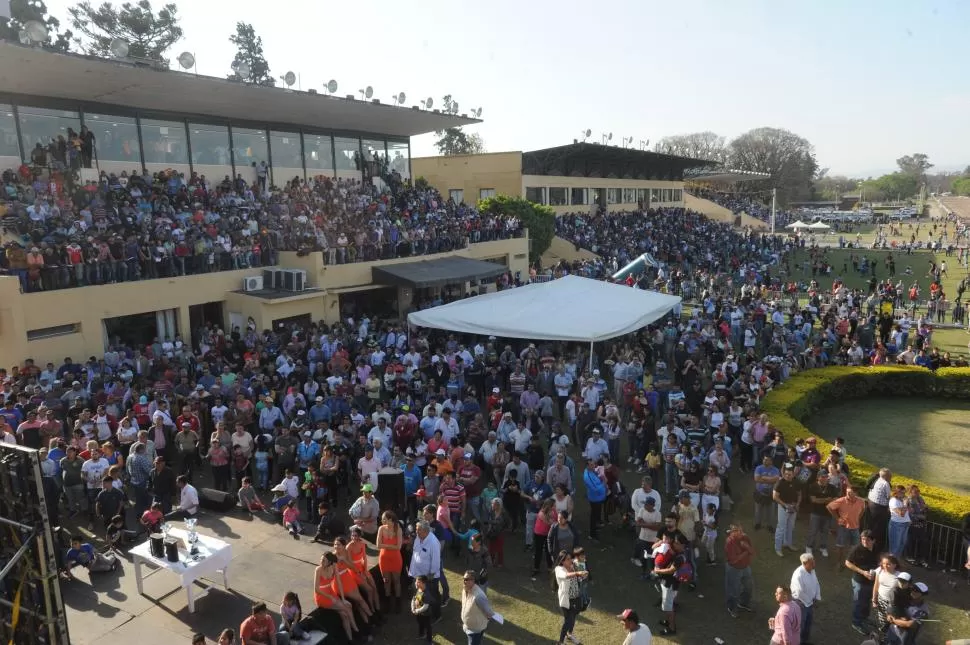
[919, 438]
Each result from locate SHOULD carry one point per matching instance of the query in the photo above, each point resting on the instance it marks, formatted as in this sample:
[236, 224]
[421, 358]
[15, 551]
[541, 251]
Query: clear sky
[865, 81]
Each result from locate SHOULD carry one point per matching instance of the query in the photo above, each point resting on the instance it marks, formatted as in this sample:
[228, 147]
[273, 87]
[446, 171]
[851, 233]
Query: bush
[791, 404]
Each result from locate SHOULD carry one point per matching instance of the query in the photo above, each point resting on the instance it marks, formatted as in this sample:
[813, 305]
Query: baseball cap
[440, 452]
[649, 502]
[306, 434]
[367, 488]
[468, 455]
[904, 575]
[630, 615]
[922, 588]
[495, 390]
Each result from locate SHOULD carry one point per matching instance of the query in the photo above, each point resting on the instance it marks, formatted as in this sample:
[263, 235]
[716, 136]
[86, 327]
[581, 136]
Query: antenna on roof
[627, 140]
[331, 86]
[586, 134]
[607, 138]
[477, 113]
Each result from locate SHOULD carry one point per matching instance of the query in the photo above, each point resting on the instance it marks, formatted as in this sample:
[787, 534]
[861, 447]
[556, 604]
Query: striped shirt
[454, 497]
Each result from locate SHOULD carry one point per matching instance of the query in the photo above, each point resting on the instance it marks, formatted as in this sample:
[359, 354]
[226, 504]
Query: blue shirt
[83, 555]
[306, 454]
[538, 492]
[765, 471]
[595, 488]
[412, 479]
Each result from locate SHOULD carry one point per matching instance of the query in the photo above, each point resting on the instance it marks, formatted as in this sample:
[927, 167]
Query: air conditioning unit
[294, 280]
[253, 283]
[273, 278]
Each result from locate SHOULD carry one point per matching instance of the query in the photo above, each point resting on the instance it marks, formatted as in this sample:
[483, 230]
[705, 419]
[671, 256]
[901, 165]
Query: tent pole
[591, 356]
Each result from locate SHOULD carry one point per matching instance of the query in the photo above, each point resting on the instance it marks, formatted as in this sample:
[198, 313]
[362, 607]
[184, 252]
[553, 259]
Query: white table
[213, 557]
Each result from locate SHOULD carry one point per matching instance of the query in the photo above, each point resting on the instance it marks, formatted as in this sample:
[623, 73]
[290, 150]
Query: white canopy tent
[819, 226]
[570, 308]
[797, 225]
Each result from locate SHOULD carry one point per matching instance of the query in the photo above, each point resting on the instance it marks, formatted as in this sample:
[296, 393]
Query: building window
[319, 154]
[249, 147]
[535, 194]
[485, 193]
[613, 195]
[115, 138]
[348, 156]
[210, 145]
[643, 195]
[655, 197]
[578, 196]
[8, 134]
[287, 155]
[678, 195]
[51, 332]
[629, 195]
[38, 125]
[164, 142]
[456, 195]
[399, 158]
[557, 197]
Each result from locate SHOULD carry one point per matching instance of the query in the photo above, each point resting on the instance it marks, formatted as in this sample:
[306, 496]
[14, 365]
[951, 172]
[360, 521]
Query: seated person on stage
[152, 519]
[118, 537]
[248, 498]
[280, 498]
[329, 526]
[83, 554]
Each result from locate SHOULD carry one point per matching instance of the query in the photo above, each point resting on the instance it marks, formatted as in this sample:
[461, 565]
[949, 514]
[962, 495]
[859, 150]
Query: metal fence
[942, 546]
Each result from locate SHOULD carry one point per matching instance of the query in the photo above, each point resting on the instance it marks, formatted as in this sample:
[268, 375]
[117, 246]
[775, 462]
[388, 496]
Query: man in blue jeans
[787, 494]
[862, 561]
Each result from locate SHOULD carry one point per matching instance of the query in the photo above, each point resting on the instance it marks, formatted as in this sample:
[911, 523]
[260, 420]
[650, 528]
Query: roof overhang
[725, 175]
[595, 160]
[35, 72]
[436, 273]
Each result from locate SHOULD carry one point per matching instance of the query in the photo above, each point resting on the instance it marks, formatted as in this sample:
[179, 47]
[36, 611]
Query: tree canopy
[539, 219]
[697, 145]
[961, 186]
[787, 157]
[455, 141]
[894, 187]
[22, 12]
[249, 50]
[149, 34]
[914, 165]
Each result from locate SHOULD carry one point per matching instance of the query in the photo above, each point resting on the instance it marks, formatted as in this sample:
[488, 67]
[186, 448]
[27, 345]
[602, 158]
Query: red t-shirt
[257, 627]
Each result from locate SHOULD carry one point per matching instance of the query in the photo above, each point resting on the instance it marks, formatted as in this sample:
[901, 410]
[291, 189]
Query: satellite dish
[428, 102]
[454, 107]
[289, 78]
[332, 86]
[588, 132]
[243, 70]
[36, 31]
[369, 92]
[609, 137]
[477, 113]
[234, 66]
[23, 37]
[401, 98]
[186, 60]
[119, 47]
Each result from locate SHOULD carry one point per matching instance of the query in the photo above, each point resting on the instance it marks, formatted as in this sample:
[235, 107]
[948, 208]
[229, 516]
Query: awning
[570, 308]
[435, 273]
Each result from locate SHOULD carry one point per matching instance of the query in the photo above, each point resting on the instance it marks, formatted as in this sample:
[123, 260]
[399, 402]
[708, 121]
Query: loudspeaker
[390, 490]
[216, 500]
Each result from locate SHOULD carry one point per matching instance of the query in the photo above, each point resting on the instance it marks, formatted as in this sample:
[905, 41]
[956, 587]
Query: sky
[864, 81]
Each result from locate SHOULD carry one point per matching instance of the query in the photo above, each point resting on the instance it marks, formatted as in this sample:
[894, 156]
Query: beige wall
[87, 307]
[501, 171]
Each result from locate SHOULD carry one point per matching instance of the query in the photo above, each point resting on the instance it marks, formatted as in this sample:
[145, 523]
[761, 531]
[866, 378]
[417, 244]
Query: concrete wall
[714, 211]
[87, 307]
[499, 171]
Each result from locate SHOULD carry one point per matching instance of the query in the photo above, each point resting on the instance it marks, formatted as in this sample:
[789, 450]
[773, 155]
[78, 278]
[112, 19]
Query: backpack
[685, 572]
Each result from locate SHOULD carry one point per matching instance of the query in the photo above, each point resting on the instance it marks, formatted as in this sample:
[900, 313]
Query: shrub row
[794, 402]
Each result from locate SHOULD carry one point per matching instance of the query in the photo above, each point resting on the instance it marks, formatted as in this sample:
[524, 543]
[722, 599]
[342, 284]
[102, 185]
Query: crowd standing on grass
[499, 443]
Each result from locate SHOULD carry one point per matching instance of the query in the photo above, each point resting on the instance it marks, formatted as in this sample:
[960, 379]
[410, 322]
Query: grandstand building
[146, 118]
[570, 178]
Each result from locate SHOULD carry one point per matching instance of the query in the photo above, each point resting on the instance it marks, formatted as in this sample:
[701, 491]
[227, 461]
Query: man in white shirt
[878, 505]
[806, 591]
[521, 437]
[368, 466]
[380, 431]
[188, 500]
[646, 491]
[426, 561]
[448, 426]
[648, 521]
[636, 632]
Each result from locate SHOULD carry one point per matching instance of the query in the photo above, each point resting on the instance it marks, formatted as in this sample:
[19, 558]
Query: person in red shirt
[152, 518]
[259, 628]
[189, 417]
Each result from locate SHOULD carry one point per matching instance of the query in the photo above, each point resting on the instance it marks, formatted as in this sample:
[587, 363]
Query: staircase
[719, 213]
[562, 249]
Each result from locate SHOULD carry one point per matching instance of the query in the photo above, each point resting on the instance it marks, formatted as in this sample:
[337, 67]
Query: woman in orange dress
[390, 561]
[357, 549]
[350, 579]
[328, 593]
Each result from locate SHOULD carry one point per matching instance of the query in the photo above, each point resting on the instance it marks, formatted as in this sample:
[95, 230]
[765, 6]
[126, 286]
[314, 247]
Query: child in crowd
[580, 564]
[261, 459]
[240, 463]
[709, 537]
[653, 462]
[118, 537]
[329, 525]
[152, 519]
[291, 519]
[248, 498]
[478, 560]
[290, 615]
[421, 608]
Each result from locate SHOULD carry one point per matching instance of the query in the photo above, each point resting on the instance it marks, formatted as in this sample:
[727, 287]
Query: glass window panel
[557, 197]
[40, 125]
[655, 196]
[642, 195]
[629, 195]
[535, 194]
[613, 195]
[678, 195]
[319, 153]
[210, 144]
[374, 150]
[485, 193]
[348, 154]
[115, 138]
[578, 196]
[164, 141]
[8, 133]
[399, 154]
[456, 195]
[286, 150]
[249, 146]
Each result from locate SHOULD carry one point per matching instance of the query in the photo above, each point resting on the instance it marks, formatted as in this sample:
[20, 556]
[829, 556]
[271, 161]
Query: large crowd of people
[141, 225]
[739, 203]
[502, 444]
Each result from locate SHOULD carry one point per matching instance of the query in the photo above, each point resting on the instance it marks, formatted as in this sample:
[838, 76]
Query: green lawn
[919, 438]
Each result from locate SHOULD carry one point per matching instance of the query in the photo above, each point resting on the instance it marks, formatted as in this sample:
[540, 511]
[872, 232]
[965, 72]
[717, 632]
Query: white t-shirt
[640, 637]
[93, 471]
[895, 504]
[645, 534]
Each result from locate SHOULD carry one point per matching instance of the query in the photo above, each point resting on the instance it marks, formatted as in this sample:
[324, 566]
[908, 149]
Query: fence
[941, 546]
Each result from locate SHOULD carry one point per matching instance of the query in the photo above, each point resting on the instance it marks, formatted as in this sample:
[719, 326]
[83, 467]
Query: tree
[22, 12]
[249, 50]
[961, 186]
[894, 186]
[148, 34]
[455, 141]
[697, 145]
[787, 157]
[539, 219]
[915, 165]
[831, 189]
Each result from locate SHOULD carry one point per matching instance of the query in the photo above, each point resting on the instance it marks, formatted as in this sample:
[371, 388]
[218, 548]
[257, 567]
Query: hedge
[789, 405]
